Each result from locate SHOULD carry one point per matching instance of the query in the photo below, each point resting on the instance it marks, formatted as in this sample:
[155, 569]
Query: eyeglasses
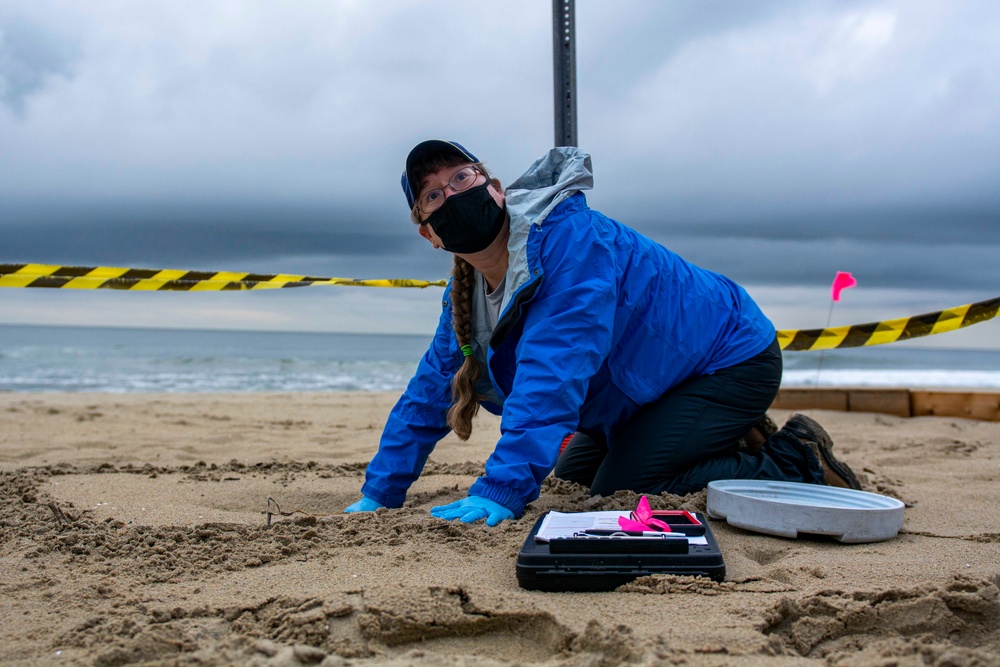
[460, 181]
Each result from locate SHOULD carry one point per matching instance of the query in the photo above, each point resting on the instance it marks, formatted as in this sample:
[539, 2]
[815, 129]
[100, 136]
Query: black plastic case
[579, 570]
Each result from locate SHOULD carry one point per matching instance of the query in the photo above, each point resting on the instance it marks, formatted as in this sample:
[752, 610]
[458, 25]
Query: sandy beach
[134, 532]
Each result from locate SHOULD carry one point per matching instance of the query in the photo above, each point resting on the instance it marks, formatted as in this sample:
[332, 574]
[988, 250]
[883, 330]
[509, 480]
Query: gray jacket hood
[548, 182]
[552, 178]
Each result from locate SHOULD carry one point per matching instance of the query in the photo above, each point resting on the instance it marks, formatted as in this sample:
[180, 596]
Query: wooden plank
[811, 399]
[885, 401]
[982, 405]
[969, 405]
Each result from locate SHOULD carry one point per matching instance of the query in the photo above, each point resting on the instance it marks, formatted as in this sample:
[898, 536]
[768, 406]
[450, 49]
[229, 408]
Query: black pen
[628, 533]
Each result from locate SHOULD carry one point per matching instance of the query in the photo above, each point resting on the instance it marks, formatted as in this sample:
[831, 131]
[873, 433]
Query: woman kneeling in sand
[565, 321]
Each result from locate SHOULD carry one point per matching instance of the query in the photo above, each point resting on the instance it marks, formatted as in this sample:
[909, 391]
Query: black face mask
[468, 221]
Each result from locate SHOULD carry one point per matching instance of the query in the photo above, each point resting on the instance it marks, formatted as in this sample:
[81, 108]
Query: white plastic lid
[789, 508]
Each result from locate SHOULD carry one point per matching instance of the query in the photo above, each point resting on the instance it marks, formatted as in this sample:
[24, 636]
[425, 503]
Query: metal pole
[564, 71]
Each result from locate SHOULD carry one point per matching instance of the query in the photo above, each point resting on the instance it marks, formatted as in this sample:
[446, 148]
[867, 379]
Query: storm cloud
[774, 142]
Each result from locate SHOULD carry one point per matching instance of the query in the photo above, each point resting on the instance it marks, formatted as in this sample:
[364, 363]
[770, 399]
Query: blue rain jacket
[597, 321]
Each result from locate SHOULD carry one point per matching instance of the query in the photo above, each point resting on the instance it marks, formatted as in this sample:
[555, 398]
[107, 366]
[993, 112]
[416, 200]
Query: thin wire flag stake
[841, 281]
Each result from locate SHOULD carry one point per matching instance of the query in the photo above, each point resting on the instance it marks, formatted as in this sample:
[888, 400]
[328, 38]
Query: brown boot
[754, 439]
[811, 434]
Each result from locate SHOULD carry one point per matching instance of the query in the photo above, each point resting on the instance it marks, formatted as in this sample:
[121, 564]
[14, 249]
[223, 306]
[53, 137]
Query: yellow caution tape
[889, 331]
[105, 277]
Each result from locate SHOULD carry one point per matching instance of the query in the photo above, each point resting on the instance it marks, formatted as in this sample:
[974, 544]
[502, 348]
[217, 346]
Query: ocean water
[73, 359]
[36, 358]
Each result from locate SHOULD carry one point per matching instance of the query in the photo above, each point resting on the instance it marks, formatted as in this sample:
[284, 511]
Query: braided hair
[464, 400]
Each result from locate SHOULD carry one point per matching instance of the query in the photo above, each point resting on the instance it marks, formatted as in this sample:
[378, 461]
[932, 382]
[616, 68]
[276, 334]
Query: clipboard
[570, 563]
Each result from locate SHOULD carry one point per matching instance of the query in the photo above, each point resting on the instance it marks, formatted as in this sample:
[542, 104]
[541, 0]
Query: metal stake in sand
[841, 281]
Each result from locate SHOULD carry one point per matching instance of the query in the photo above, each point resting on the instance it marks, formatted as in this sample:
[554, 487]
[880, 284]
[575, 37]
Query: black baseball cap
[419, 152]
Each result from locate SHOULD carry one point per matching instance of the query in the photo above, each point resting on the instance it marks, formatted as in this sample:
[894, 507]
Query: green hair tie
[467, 350]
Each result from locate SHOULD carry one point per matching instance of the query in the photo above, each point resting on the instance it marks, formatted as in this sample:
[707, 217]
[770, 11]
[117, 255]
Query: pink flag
[642, 519]
[840, 283]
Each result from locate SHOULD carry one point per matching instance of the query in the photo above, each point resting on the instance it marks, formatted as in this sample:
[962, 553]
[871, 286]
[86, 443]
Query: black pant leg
[581, 459]
[688, 437]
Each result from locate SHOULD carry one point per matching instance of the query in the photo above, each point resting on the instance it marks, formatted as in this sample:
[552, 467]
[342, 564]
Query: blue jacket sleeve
[418, 420]
[566, 337]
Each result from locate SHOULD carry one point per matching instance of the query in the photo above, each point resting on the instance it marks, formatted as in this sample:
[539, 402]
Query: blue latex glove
[473, 508]
[366, 504]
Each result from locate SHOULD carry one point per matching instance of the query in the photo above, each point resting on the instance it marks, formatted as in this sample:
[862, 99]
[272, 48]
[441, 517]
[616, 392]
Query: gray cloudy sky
[774, 142]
